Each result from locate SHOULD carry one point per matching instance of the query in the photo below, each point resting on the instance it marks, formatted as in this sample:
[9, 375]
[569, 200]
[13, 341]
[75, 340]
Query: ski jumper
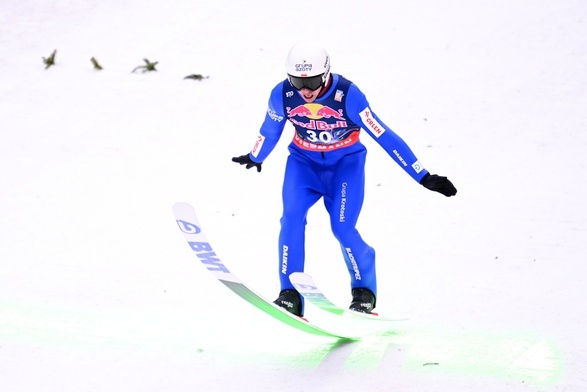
[327, 160]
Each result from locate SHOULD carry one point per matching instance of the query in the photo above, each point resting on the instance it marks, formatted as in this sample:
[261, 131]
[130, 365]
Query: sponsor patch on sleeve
[370, 122]
[273, 115]
[258, 145]
[417, 167]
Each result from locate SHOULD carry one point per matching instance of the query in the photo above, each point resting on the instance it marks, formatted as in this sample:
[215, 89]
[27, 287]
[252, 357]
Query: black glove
[438, 184]
[246, 160]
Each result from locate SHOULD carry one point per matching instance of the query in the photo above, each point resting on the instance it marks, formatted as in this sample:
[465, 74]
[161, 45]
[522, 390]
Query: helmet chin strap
[326, 86]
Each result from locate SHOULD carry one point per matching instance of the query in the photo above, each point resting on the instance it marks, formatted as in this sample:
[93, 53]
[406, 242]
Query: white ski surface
[188, 224]
[305, 285]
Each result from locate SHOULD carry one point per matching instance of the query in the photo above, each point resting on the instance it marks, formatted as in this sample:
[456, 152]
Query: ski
[305, 285]
[187, 222]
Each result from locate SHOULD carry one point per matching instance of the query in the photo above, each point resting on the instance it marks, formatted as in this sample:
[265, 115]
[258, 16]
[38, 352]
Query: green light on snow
[503, 355]
[506, 355]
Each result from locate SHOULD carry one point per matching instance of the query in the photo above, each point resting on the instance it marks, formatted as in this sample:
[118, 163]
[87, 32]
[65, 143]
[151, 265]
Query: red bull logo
[301, 111]
[316, 116]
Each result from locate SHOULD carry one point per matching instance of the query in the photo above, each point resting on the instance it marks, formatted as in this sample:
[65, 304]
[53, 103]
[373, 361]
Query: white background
[98, 290]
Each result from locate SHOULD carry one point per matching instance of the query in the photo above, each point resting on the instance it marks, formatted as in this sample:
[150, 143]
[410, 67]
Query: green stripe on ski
[188, 224]
[272, 310]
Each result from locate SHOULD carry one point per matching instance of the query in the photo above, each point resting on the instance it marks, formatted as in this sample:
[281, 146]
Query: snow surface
[99, 292]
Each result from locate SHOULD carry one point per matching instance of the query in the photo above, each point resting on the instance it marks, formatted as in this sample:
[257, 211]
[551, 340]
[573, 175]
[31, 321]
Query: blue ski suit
[327, 160]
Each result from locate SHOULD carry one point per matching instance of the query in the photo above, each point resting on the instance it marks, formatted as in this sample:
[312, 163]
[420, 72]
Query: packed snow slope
[99, 291]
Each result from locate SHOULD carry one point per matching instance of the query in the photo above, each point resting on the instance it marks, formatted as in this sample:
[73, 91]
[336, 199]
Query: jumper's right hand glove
[439, 184]
[246, 160]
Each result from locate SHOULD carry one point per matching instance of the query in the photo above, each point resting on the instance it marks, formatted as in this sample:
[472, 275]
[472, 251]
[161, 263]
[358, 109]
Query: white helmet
[308, 66]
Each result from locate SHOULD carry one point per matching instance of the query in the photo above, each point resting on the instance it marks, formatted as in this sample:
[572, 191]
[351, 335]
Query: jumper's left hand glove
[438, 184]
[246, 160]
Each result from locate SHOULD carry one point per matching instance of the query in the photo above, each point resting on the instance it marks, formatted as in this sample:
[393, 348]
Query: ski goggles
[310, 82]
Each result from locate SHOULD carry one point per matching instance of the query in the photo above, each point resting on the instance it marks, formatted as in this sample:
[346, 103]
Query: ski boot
[291, 301]
[363, 300]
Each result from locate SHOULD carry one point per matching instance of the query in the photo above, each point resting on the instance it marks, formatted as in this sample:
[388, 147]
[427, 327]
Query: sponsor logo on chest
[316, 116]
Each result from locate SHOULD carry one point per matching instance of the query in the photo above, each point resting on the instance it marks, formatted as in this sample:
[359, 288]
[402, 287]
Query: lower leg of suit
[344, 202]
[298, 196]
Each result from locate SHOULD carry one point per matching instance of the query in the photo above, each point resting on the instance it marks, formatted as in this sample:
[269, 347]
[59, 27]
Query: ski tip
[181, 204]
[182, 208]
[299, 276]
